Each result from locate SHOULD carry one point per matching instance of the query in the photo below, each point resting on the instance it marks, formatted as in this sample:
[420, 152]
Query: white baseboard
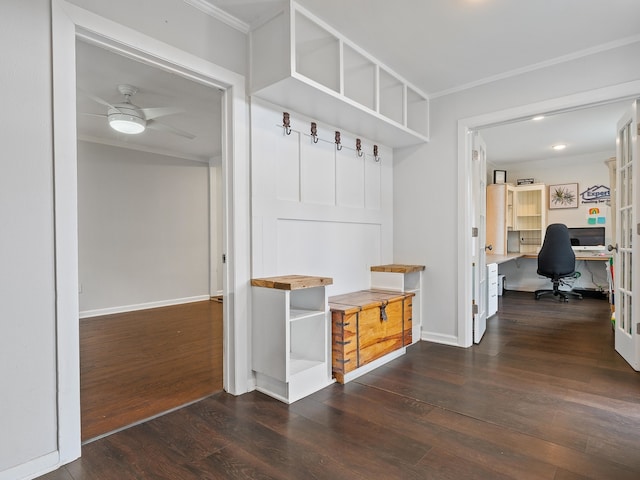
[439, 338]
[33, 468]
[142, 306]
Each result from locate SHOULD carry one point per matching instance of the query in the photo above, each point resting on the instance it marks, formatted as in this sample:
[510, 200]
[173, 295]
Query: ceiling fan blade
[97, 99]
[155, 125]
[93, 114]
[156, 112]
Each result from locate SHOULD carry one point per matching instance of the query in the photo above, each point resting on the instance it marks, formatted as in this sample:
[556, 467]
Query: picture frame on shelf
[499, 176]
[563, 195]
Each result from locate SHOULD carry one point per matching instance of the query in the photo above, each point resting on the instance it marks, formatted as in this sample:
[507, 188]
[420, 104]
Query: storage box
[366, 326]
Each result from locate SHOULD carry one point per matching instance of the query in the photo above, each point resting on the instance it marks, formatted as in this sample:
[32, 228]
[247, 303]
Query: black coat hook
[314, 132]
[375, 153]
[286, 123]
[359, 147]
[338, 145]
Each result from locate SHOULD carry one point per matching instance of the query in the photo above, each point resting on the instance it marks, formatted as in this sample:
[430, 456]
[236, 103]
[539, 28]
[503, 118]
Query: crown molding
[538, 66]
[219, 14]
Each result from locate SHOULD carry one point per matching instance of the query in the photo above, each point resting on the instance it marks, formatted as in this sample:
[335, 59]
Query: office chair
[557, 261]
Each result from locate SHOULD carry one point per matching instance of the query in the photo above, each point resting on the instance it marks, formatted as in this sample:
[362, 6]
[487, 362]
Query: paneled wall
[317, 210]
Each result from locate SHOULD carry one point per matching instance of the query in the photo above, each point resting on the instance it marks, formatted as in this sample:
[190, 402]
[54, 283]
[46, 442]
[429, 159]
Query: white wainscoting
[318, 210]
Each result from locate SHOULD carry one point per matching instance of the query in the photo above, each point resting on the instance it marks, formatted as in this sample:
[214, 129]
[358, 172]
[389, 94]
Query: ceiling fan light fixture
[129, 124]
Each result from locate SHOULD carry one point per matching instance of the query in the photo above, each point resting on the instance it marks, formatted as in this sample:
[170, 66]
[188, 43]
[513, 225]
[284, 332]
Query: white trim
[219, 14]
[33, 468]
[70, 21]
[440, 338]
[142, 306]
[466, 125]
[540, 65]
[66, 232]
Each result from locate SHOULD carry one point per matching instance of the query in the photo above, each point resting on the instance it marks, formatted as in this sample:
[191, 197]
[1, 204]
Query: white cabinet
[402, 278]
[291, 336]
[516, 218]
[530, 216]
[499, 217]
[492, 289]
[301, 63]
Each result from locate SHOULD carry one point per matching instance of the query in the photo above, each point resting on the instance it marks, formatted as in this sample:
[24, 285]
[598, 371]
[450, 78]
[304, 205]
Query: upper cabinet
[299, 62]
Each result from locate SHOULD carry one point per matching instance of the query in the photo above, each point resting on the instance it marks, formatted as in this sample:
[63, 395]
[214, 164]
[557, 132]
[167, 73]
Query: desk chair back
[556, 258]
[556, 261]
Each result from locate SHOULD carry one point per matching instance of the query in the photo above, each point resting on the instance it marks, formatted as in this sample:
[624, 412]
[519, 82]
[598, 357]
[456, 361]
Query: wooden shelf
[291, 282]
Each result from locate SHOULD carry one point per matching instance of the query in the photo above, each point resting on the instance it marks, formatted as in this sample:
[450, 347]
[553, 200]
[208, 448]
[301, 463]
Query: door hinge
[224, 258]
[637, 328]
[474, 232]
[474, 308]
[475, 155]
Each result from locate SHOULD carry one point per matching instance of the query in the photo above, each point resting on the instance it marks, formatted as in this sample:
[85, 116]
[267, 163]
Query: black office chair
[557, 261]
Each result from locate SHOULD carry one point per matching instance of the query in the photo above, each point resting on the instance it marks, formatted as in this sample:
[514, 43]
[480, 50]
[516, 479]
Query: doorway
[69, 23]
[465, 176]
[149, 232]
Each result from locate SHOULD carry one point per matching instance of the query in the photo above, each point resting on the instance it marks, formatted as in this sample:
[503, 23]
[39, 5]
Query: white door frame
[69, 21]
[465, 178]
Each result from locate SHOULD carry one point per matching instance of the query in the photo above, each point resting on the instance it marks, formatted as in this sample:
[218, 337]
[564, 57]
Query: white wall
[28, 430]
[425, 177]
[316, 210]
[143, 223]
[179, 24]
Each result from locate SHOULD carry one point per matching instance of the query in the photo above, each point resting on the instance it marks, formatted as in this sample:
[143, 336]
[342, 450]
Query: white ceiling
[99, 72]
[441, 46]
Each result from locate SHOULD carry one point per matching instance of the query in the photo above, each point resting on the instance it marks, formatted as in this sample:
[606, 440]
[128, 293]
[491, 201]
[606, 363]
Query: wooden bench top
[397, 268]
[291, 282]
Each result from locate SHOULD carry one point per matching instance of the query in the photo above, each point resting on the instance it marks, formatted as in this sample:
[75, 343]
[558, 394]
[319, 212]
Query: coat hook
[375, 153]
[314, 132]
[338, 145]
[286, 123]
[359, 147]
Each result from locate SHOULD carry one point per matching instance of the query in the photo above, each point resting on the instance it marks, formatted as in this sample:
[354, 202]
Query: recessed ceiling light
[560, 146]
[537, 118]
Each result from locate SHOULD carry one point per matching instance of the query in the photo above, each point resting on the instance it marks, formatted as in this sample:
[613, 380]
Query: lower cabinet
[291, 351]
[492, 288]
[369, 328]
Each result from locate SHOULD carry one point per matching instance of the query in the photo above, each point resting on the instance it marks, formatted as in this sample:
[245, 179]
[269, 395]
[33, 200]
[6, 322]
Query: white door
[479, 192]
[627, 337]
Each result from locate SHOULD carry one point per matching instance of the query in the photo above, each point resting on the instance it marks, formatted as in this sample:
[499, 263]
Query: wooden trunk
[366, 326]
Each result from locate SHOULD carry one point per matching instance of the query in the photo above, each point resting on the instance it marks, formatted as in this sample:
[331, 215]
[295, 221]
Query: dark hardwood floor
[544, 396]
[136, 365]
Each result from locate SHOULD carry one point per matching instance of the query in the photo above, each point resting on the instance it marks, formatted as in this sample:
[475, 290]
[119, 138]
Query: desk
[520, 271]
[492, 258]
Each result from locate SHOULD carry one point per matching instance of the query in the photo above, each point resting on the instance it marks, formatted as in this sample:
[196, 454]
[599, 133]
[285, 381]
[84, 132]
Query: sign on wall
[596, 194]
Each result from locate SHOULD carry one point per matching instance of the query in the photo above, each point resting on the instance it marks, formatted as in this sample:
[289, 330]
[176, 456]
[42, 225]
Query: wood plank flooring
[544, 396]
[136, 365]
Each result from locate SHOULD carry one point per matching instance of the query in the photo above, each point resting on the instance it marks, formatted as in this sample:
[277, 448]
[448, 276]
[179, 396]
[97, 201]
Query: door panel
[479, 221]
[627, 339]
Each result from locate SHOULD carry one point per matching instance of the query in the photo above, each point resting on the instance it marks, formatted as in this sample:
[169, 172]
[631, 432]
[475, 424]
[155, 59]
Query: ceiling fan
[128, 118]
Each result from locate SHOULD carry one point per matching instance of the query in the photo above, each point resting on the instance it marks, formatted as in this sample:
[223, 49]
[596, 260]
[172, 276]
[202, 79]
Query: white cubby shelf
[291, 332]
[301, 63]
